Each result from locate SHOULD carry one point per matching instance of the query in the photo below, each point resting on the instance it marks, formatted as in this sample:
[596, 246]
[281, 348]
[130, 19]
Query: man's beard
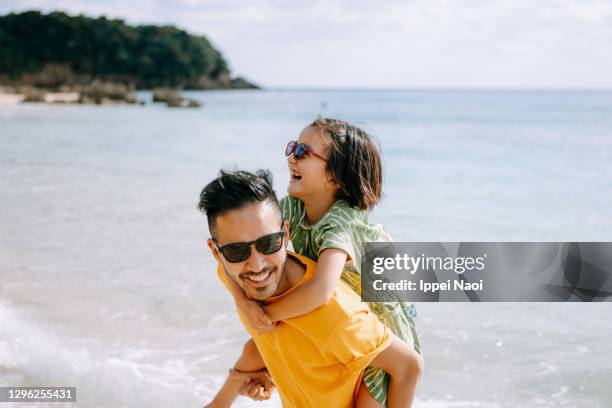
[258, 293]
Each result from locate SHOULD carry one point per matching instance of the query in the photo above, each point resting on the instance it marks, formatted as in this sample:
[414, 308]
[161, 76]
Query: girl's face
[308, 176]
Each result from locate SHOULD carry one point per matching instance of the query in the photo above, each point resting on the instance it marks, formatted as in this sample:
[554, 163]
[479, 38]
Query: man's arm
[250, 366]
[404, 366]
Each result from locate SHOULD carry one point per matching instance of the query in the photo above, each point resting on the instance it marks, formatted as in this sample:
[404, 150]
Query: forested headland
[56, 50]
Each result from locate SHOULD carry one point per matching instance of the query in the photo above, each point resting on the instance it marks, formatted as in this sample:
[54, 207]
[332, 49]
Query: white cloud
[418, 43]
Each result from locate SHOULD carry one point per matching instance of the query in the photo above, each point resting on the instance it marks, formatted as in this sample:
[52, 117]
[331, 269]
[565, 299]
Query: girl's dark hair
[232, 190]
[354, 163]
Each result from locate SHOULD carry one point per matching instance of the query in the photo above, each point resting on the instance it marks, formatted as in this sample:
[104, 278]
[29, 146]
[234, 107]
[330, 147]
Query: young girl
[335, 180]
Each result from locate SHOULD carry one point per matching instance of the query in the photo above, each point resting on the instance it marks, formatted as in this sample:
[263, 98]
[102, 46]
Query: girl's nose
[291, 158]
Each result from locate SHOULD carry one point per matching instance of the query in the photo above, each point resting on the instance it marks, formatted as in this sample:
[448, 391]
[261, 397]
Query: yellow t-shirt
[317, 360]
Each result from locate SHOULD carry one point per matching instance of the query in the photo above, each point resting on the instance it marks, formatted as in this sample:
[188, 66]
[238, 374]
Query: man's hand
[256, 317]
[257, 385]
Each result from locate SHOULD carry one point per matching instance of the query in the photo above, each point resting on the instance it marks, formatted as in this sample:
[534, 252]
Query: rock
[184, 103]
[174, 99]
[241, 83]
[166, 95]
[223, 81]
[33, 95]
[103, 93]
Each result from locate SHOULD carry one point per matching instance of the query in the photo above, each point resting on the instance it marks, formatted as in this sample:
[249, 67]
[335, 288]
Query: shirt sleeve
[359, 341]
[337, 233]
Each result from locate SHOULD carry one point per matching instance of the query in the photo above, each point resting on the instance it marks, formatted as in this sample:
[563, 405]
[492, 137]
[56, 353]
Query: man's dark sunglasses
[240, 251]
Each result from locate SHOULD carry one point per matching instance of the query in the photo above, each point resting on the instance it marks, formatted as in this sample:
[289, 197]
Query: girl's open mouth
[294, 175]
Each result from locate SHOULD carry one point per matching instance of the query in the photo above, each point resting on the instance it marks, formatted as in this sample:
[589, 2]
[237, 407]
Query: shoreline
[7, 98]
[97, 96]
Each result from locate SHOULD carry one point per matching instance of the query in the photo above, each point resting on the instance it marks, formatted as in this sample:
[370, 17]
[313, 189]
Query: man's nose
[291, 158]
[256, 262]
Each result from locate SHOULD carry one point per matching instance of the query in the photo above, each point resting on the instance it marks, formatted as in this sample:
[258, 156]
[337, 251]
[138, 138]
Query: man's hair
[354, 163]
[232, 190]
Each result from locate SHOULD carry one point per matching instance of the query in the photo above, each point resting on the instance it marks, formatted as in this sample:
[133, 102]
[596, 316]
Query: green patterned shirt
[347, 228]
[342, 227]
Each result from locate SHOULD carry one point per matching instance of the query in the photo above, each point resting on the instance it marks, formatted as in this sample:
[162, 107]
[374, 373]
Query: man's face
[259, 275]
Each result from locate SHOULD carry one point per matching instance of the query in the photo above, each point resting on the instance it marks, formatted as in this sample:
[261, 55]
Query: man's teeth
[259, 277]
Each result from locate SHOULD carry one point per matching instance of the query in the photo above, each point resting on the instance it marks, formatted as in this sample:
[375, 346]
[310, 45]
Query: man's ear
[214, 250]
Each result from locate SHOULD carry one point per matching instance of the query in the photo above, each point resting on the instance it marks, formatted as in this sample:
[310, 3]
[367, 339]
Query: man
[318, 359]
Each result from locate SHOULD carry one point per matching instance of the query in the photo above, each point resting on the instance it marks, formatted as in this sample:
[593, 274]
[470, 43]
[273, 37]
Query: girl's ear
[332, 183]
[214, 250]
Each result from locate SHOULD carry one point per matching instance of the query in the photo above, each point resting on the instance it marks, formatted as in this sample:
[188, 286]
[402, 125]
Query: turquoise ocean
[106, 283]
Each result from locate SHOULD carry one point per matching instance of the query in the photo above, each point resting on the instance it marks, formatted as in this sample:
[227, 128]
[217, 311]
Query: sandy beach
[7, 98]
[10, 98]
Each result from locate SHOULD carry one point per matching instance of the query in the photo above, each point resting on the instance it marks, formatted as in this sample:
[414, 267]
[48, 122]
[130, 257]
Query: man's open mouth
[259, 279]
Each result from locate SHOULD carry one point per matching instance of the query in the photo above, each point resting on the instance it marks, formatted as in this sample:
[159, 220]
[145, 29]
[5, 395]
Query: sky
[388, 44]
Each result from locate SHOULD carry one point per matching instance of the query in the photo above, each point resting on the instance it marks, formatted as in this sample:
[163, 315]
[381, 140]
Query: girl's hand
[249, 309]
[256, 317]
[257, 385]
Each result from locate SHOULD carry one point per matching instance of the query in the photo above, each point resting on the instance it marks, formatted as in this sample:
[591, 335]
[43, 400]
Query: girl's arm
[315, 292]
[248, 371]
[250, 309]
